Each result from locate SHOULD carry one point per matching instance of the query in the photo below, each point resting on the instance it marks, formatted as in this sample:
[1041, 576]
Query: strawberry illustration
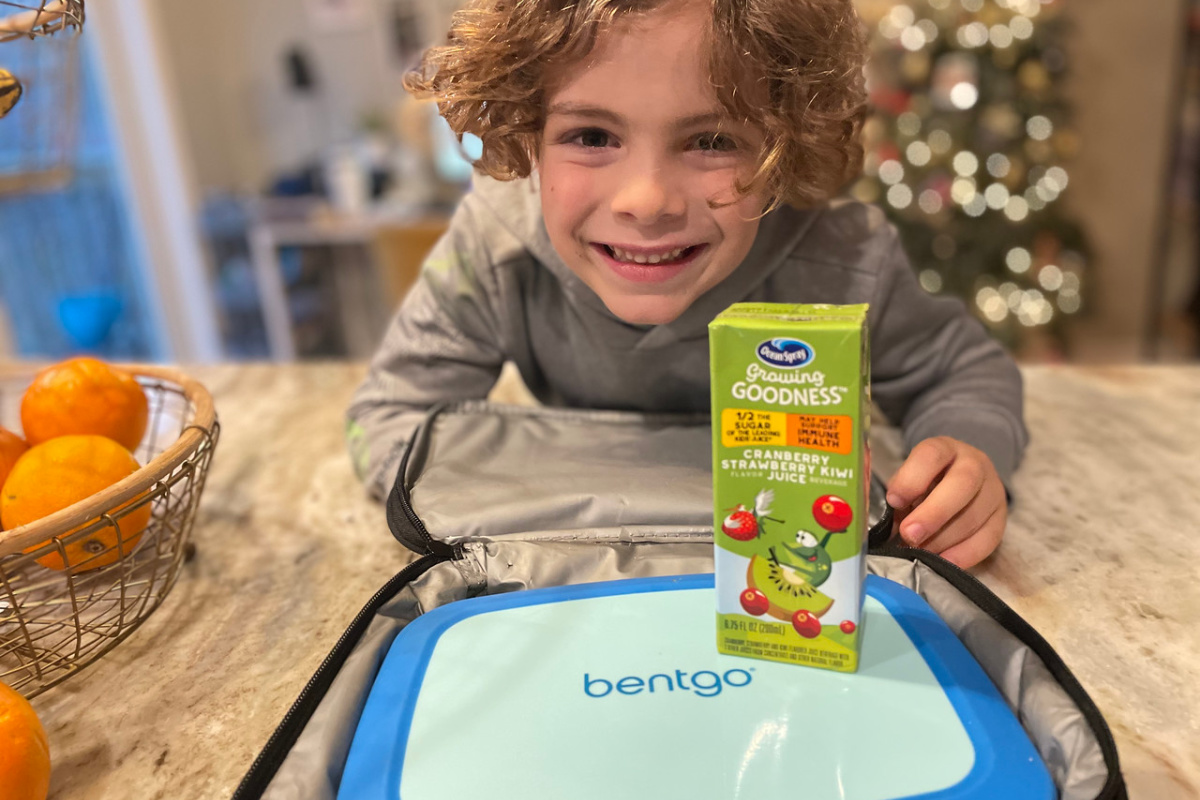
[743, 524]
[740, 524]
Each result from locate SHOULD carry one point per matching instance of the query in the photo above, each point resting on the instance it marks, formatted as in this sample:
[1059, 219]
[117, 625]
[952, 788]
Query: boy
[659, 162]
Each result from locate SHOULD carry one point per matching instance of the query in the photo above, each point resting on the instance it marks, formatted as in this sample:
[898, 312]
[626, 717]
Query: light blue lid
[616, 690]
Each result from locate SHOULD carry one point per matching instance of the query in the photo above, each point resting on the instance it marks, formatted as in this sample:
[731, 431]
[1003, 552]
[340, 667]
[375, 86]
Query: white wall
[1123, 57]
[242, 121]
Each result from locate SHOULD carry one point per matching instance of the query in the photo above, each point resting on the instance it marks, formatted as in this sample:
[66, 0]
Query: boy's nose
[647, 197]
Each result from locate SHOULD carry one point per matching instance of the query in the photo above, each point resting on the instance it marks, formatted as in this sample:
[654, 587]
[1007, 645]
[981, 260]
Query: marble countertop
[1101, 556]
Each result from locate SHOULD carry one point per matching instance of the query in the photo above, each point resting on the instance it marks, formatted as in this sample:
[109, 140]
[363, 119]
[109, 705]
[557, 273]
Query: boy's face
[631, 155]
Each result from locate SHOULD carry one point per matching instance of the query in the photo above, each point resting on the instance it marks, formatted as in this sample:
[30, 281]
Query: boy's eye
[715, 142]
[591, 138]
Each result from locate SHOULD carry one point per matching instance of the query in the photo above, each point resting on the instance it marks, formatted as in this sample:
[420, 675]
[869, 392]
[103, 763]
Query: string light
[1039, 128]
[902, 15]
[1012, 295]
[996, 196]
[913, 38]
[1016, 209]
[1046, 191]
[974, 34]
[918, 154]
[929, 28]
[962, 191]
[1058, 178]
[908, 123]
[930, 280]
[891, 171]
[930, 201]
[998, 165]
[1018, 260]
[964, 95]
[1021, 27]
[1000, 35]
[991, 304]
[1030, 8]
[940, 142]
[1034, 309]
[1050, 277]
[966, 164]
[900, 196]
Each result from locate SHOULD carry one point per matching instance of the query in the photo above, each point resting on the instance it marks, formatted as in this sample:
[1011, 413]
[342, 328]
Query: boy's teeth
[638, 258]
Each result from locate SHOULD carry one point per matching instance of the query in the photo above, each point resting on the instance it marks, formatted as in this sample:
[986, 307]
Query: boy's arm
[444, 344]
[937, 372]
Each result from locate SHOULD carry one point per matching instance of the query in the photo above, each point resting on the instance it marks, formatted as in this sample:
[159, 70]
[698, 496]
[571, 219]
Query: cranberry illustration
[806, 624]
[755, 602]
[847, 626]
[832, 513]
[740, 525]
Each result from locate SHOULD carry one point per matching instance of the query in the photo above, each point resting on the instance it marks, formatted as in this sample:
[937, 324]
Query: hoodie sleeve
[443, 344]
[937, 372]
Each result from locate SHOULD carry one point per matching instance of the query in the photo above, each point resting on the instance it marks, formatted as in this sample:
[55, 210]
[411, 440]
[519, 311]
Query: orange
[11, 448]
[24, 751]
[55, 474]
[84, 395]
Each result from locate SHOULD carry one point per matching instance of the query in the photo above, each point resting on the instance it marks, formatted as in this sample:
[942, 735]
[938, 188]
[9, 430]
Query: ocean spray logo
[705, 683]
[786, 353]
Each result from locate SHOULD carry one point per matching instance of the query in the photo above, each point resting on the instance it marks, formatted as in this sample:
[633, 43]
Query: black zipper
[402, 519]
[997, 609]
[284, 738]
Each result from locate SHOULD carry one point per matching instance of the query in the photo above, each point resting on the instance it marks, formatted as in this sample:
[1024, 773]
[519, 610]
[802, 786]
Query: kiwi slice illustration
[787, 590]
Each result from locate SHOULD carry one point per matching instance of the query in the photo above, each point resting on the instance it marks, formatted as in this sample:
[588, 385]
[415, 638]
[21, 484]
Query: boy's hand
[949, 500]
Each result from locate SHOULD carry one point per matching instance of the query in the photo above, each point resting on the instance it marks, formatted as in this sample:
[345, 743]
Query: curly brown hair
[804, 57]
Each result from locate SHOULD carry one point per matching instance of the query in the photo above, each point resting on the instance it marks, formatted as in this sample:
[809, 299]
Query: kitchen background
[198, 182]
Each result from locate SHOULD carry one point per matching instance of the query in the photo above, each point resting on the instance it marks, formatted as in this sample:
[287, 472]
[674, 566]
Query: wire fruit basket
[41, 18]
[55, 622]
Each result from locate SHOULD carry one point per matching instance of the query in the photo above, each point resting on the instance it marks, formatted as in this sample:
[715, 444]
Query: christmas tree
[966, 152]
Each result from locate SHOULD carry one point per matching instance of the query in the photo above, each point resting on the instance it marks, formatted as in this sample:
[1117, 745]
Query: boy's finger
[968, 522]
[970, 552]
[924, 464]
[956, 490]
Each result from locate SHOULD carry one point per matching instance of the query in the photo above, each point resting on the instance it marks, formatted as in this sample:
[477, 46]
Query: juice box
[791, 475]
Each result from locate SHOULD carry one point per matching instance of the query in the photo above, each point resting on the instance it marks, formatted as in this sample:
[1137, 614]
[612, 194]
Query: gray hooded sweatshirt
[494, 290]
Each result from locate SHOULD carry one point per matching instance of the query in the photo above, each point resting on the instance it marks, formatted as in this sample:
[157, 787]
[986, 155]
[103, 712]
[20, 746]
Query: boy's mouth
[643, 256]
[648, 265]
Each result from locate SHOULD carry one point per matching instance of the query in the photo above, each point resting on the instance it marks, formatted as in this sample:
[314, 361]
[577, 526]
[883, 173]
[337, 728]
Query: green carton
[791, 475]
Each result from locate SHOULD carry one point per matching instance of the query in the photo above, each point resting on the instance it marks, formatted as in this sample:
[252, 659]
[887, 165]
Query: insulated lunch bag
[555, 639]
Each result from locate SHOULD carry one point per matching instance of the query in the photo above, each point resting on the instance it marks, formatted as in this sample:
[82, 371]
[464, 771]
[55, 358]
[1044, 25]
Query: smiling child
[645, 165]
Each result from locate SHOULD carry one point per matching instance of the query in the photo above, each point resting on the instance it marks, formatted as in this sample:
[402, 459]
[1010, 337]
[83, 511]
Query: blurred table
[366, 290]
[1101, 557]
